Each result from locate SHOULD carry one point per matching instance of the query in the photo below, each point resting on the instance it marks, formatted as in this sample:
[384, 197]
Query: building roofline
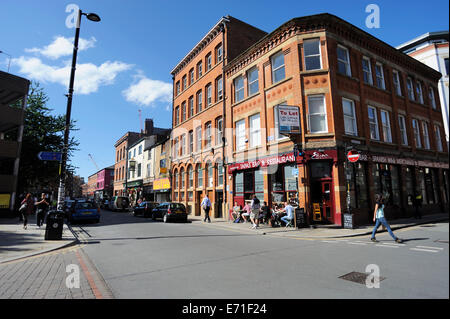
[208, 34]
[325, 17]
[422, 38]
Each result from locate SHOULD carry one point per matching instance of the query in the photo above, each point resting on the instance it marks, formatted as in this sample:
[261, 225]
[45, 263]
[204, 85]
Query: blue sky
[124, 62]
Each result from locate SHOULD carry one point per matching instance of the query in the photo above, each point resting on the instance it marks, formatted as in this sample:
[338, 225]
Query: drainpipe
[224, 164]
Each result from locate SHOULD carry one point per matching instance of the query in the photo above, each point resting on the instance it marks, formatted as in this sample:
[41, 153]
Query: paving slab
[17, 243]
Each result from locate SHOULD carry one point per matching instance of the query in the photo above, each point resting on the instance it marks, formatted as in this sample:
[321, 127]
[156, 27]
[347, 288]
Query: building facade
[198, 115]
[105, 183]
[159, 170]
[432, 49]
[120, 166]
[13, 101]
[353, 92]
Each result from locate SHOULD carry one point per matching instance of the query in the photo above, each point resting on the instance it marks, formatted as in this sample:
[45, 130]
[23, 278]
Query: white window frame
[402, 128]
[198, 135]
[238, 91]
[200, 69]
[396, 82]
[219, 130]
[208, 135]
[348, 70]
[426, 135]
[255, 130]
[386, 126]
[410, 88]
[191, 107]
[191, 142]
[416, 130]
[351, 117]
[419, 92]
[368, 72]
[312, 55]
[240, 135]
[251, 71]
[199, 101]
[432, 98]
[381, 77]
[437, 133]
[209, 94]
[374, 122]
[322, 114]
[208, 62]
[274, 70]
[219, 54]
[219, 89]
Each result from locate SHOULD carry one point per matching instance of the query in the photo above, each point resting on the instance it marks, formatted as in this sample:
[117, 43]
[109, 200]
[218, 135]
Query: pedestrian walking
[206, 205]
[42, 207]
[379, 219]
[254, 215]
[26, 209]
[417, 201]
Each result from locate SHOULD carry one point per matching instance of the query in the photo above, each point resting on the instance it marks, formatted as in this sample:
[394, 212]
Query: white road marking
[428, 247]
[427, 250]
[329, 241]
[384, 245]
[356, 243]
[393, 244]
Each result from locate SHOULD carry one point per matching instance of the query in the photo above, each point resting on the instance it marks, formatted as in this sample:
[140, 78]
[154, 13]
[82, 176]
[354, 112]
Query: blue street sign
[50, 156]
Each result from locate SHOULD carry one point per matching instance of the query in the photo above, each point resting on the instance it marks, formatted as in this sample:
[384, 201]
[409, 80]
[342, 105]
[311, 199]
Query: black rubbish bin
[54, 227]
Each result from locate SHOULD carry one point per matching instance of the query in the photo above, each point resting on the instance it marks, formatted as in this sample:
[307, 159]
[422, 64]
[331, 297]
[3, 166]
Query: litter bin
[55, 222]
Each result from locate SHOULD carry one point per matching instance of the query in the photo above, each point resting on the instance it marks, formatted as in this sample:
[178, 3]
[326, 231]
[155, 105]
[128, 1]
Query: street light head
[93, 17]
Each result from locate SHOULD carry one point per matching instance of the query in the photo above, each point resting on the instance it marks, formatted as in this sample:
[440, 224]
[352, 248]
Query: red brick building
[198, 114]
[120, 166]
[354, 92]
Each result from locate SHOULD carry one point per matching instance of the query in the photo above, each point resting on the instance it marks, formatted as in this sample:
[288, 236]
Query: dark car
[145, 209]
[68, 205]
[121, 203]
[82, 211]
[170, 211]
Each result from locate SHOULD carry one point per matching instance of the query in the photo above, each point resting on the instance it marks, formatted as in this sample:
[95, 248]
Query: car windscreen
[177, 206]
[85, 205]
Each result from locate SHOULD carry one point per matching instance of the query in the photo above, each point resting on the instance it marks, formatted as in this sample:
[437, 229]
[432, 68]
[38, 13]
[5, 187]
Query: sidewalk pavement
[17, 243]
[321, 231]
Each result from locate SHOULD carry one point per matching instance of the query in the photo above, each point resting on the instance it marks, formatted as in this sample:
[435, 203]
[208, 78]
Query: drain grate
[441, 241]
[358, 277]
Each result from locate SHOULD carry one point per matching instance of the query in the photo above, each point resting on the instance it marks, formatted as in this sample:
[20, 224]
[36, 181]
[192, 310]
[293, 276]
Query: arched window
[191, 176]
[210, 174]
[199, 176]
[175, 179]
[182, 177]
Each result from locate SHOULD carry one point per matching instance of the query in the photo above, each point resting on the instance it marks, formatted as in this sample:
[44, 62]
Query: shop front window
[446, 187]
[429, 186]
[358, 185]
[420, 187]
[395, 179]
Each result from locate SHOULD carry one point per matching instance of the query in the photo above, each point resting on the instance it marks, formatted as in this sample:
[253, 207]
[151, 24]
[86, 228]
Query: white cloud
[147, 91]
[88, 77]
[62, 46]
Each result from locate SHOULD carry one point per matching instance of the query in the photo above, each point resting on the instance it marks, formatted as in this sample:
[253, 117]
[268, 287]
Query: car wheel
[165, 218]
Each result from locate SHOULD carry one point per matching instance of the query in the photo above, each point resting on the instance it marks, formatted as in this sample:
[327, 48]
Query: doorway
[321, 186]
[219, 202]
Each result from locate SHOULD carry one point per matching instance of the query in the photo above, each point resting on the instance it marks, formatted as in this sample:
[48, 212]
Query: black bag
[23, 208]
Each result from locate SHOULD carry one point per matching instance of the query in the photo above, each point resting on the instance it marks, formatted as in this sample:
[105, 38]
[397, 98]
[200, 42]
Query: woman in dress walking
[379, 219]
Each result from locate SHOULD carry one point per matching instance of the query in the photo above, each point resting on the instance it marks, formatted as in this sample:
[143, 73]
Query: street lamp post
[61, 190]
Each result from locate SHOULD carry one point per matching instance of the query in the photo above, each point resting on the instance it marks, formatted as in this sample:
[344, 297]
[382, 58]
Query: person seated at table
[275, 216]
[236, 213]
[247, 211]
[265, 213]
[289, 210]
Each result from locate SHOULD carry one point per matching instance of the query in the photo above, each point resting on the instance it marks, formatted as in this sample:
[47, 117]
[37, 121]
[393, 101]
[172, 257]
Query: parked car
[145, 209]
[119, 203]
[170, 211]
[85, 211]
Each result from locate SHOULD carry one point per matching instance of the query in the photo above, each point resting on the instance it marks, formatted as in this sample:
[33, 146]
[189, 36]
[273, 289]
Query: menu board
[300, 217]
[348, 221]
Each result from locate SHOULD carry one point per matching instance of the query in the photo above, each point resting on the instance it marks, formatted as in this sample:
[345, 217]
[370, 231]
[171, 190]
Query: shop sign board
[402, 161]
[263, 162]
[289, 119]
[160, 184]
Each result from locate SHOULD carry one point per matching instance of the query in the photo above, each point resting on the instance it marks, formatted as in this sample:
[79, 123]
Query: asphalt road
[140, 258]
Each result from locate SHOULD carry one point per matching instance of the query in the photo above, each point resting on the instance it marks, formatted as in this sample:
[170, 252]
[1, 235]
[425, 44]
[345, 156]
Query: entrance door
[327, 199]
[198, 201]
[219, 201]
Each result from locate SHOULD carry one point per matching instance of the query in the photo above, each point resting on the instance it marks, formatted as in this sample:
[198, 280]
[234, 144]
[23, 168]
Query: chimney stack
[148, 127]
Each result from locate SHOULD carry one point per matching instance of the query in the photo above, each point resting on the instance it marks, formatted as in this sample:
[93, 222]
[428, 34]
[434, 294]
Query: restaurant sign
[263, 162]
[402, 161]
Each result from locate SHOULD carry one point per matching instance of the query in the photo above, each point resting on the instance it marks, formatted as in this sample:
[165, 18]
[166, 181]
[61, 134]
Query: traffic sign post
[50, 156]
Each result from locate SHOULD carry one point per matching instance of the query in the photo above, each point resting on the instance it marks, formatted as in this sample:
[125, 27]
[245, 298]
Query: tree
[42, 132]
